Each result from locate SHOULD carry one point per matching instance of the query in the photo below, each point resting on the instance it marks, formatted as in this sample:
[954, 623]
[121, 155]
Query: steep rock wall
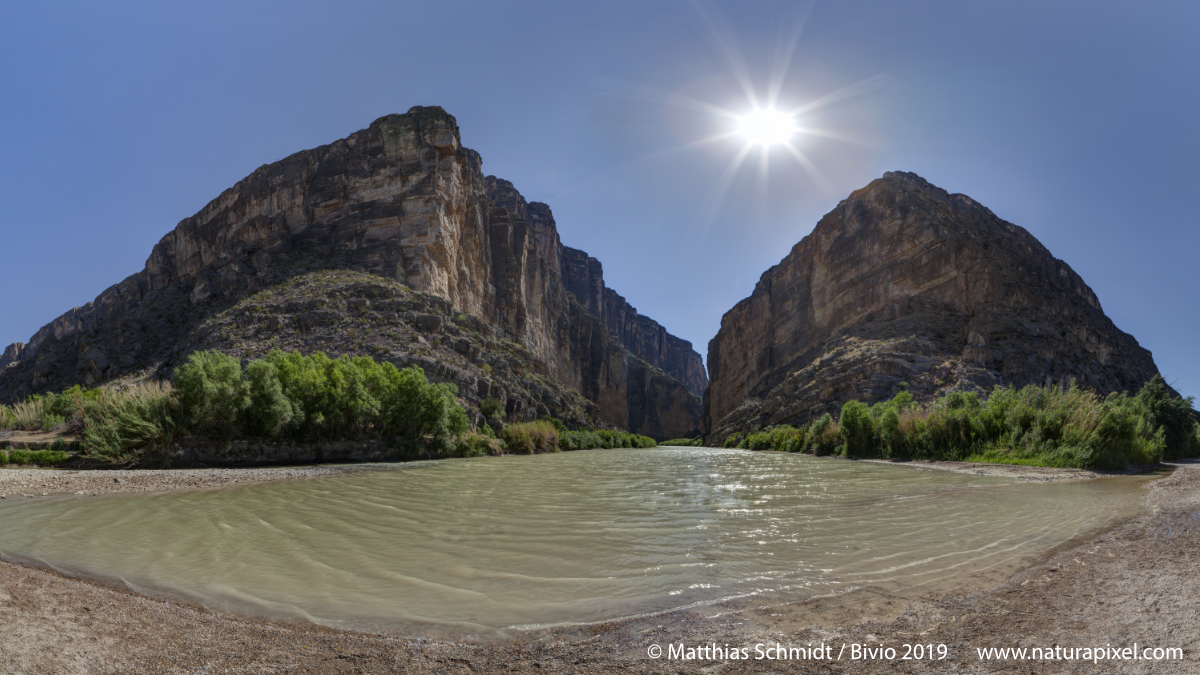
[583, 276]
[401, 199]
[903, 282]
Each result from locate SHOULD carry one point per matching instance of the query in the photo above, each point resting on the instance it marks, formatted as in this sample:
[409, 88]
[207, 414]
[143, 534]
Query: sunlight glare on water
[489, 543]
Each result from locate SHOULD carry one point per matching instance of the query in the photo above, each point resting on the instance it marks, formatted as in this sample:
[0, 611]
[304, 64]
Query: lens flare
[767, 127]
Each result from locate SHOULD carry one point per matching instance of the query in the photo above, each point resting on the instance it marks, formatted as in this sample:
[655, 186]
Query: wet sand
[1134, 582]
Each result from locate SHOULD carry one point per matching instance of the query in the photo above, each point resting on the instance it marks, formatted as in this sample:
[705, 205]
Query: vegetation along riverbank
[1061, 426]
[284, 398]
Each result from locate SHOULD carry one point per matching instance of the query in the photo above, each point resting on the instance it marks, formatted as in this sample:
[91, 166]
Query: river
[483, 546]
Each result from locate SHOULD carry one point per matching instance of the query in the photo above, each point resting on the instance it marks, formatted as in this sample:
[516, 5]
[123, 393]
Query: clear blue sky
[1076, 120]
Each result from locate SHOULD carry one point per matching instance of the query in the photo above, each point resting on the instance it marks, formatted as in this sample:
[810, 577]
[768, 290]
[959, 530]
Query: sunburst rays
[770, 125]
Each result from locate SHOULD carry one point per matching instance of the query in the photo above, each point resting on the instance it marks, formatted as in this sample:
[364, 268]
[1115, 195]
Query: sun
[767, 127]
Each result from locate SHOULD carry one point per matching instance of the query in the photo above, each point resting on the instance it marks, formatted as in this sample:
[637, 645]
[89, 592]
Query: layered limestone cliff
[583, 276]
[402, 200]
[905, 283]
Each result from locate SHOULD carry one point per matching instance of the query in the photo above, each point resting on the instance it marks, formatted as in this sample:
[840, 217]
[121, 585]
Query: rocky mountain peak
[903, 282]
[402, 200]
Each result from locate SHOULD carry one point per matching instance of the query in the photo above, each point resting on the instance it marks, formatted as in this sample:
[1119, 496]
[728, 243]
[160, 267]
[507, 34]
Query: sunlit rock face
[401, 199]
[905, 283]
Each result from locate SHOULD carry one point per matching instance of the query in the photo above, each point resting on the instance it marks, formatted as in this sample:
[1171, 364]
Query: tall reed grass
[132, 427]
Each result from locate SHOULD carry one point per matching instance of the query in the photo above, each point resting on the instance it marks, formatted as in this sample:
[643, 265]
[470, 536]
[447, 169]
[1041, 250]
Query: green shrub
[71, 405]
[528, 438]
[823, 436]
[491, 408]
[1173, 415]
[697, 442]
[890, 436]
[580, 440]
[783, 438]
[857, 429]
[212, 393]
[270, 412]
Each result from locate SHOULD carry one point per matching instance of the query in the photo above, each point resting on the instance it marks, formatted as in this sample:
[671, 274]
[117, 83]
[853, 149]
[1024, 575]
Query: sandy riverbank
[1133, 582]
[17, 482]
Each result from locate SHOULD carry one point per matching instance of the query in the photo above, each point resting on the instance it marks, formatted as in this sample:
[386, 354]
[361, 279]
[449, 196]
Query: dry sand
[1135, 582]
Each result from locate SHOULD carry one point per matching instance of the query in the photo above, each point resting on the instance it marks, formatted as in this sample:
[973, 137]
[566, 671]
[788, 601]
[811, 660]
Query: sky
[1075, 120]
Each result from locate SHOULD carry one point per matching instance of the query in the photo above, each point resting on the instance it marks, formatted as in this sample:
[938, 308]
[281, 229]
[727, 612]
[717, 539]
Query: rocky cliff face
[583, 277]
[401, 199]
[903, 282]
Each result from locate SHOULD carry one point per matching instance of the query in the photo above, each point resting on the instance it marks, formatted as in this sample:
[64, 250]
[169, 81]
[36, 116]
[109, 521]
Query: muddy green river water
[486, 544]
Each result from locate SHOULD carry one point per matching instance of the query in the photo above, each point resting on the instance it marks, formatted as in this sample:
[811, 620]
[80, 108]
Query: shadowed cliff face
[401, 199]
[583, 277]
[903, 282]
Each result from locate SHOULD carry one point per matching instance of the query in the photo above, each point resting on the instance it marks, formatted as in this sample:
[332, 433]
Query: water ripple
[570, 538]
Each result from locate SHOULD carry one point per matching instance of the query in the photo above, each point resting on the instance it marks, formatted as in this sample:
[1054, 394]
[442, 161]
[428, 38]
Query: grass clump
[1058, 426]
[697, 442]
[529, 438]
[37, 457]
[136, 426]
[42, 412]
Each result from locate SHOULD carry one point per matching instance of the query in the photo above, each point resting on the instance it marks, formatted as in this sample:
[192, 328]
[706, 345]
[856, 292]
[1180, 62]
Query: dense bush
[580, 440]
[1174, 415]
[1047, 426]
[491, 408]
[290, 396]
[213, 394]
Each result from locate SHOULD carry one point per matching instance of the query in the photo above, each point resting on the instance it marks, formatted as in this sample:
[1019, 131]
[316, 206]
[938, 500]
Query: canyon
[393, 243]
[438, 266]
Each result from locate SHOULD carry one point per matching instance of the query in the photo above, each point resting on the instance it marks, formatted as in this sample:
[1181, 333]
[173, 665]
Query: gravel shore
[52, 482]
[1134, 582]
